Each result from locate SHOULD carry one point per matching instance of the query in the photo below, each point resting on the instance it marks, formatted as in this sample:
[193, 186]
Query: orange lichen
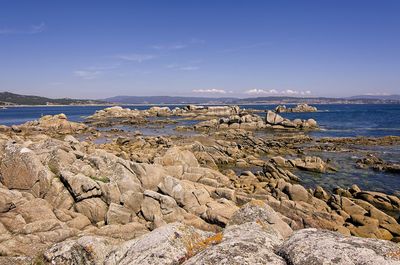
[257, 203]
[394, 254]
[194, 245]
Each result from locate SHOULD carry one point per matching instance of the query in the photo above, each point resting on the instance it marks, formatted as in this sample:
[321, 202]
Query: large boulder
[176, 157]
[312, 246]
[93, 208]
[80, 186]
[54, 124]
[310, 163]
[87, 250]
[299, 108]
[248, 243]
[20, 168]
[278, 122]
[169, 244]
[258, 211]
[296, 192]
[273, 118]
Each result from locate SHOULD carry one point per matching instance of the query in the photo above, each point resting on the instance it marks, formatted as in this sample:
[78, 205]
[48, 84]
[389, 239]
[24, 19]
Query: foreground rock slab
[169, 244]
[312, 246]
[249, 243]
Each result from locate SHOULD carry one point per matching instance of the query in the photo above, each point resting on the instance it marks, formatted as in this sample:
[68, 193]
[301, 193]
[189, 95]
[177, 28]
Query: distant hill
[318, 100]
[167, 100]
[379, 97]
[8, 98]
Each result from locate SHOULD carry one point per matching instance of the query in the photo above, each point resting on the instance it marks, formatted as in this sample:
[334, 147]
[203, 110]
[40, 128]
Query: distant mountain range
[257, 100]
[167, 100]
[7, 98]
[381, 97]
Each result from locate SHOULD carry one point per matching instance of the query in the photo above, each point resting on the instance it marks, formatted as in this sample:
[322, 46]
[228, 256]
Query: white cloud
[182, 67]
[135, 57]
[37, 28]
[290, 92]
[172, 66]
[33, 29]
[250, 46]
[103, 67]
[177, 46]
[256, 91]
[86, 74]
[210, 91]
[378, 94]
[189, 68]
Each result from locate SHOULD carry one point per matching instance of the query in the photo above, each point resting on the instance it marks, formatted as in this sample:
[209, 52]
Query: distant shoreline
[203, 104]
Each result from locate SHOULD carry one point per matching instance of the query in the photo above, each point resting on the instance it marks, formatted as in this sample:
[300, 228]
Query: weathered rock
[248, 243]
[169, 244]
[260, 212]
[54, 124]
[118, 214]
[299, 108]
[20, 168]
[132, 200]
[220, 211]
[273, 118]
[321, 194]
[310, 163]
[93, 208]
[297, 192]
[58, 196]
[80, 186]
[380, 200]
[278, 122]
[176, 157]
[35, 210]
[87, 250]
[312, 246]
[378, 164]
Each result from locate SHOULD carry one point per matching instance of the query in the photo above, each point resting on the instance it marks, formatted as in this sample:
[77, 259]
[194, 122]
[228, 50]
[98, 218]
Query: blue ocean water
[335, 120]
[350, 120]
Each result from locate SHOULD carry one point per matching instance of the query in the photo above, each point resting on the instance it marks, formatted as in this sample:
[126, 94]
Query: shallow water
[348, 174]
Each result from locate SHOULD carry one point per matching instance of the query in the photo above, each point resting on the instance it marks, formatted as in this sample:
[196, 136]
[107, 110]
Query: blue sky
[97, 49]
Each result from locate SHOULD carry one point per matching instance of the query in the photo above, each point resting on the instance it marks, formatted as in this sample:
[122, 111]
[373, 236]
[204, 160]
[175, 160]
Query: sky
[99, 49]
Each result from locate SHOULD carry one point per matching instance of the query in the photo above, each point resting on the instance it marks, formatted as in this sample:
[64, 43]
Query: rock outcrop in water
[308, 163]
[378, 164]
[278, 122]
[242, 121]
[298, 108]
[57, 124]
[116, 115]
[249, 121]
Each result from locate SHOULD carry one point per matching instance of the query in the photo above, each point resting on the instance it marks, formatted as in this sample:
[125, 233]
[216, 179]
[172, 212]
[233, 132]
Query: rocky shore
[221, 196]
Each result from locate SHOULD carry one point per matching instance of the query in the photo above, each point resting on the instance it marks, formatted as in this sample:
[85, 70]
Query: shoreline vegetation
[225, 187]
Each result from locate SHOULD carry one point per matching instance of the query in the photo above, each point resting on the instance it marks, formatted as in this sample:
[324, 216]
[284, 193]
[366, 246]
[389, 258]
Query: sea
[335, 120]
